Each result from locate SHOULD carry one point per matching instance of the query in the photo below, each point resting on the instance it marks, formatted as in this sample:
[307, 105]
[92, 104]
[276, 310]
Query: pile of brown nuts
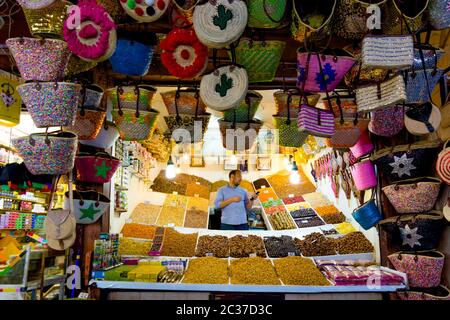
[315, 245]
[241, 246]
[354, 242]
[216, 246]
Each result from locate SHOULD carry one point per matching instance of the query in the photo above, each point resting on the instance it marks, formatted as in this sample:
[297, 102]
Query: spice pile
[145, 213]
[241, 246]
[354, 242]
[196, 219]
[207, 270]
[134, 247]
[278, 247]
[257, 271]
[315, 244]
[171, 215]
[196, 203]
[217, 246]
[134, 230]
[177, 244]
[197, 190]
[299, 271]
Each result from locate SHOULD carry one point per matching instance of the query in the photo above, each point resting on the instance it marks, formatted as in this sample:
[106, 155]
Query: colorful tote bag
[439, 293]
[315, 121]
[88, 206]
[246, 109]
[418, 82]
[406, 161]
[47, 22]
[368, 215]
[183, 100]
[387, 122]
[415, 232]
[424, 269]
[296, 98]
[97, 168]
[105, 138]
[266, 14]
[10, 100]
[47, 153]
[260, 58]
[413, 195]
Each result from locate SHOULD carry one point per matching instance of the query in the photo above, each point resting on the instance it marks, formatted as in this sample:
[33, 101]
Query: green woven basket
[267, 14]
[289, 136]
[243, 114]
[260, 58]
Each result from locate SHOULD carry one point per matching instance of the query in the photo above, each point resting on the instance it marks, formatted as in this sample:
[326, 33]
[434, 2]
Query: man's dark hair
[233, 173]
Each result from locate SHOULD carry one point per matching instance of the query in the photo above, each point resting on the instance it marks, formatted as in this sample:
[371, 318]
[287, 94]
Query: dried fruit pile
[241, 246]
[216, 245]
[315, 244]
[354, 242]
[278, 247]
[253, 271]
[134, 247]
[207, 270]
[145, 213]
[300, 272]
[196, 219]
[176, 244]
[134, 230]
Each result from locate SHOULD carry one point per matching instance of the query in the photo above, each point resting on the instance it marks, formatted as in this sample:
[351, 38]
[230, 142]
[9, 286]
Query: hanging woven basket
[224, 88]
[145, 11]
[186, 101]
[105, 138]
[95, 39]
[266, 14]
[239, 136]
[183, 54]
[246, 109]
[128, 95]
[401, 17]
[281, 99]
[219, 23]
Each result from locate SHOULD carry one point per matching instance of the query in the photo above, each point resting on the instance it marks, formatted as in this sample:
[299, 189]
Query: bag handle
[119, 91]
[196, 96]
[322, 75]
[177, 96]
[137, 92]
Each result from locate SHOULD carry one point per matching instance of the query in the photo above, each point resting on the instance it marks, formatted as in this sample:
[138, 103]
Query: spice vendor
[234, 203]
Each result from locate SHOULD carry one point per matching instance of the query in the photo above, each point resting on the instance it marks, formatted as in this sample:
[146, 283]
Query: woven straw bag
[145, 11]
[423, 119]
[388, 52]
[96, 38]
[443, 163]
[303, 12]
[266, 14]
[387, 122]
[47, 153]
[239, 136]
[47, 22]
[413, 195]
[185, 100]
[35, 4]
[418, 82]
[77, 66]
[224, 88]
[440, 293]
[350, 18]
[439, 15]
[219, 23]
[401, 17]
[378, 96]
[96, 168]
[39, 60]
[315, 121]
[260, 58]
[288, 133]
[51, 104]
[129, 95]
[281, 99]
[105, 138]
[246, 109]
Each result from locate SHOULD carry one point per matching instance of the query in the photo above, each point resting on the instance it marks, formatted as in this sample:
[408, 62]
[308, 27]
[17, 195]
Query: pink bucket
[363, 147]
[334, 69]
[364, 176]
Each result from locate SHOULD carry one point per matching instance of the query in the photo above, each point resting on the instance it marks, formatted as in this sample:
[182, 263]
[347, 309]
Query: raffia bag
[48, 21]
[267, 14]
[219, 23]
[239, 136]
[388, 52]
[224, 88]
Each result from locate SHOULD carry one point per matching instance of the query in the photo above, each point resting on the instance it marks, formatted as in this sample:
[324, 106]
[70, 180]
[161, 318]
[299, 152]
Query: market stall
[129, 128]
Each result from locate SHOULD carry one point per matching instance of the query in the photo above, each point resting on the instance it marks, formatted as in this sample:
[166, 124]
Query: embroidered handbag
[404, 16]
[415, 232]
[413, 195]
[97, 168]
[47, 153]
[307, 23]
[96, 39]
[363, 174]
[89, 206]
[439, 15]
[183, 54]
[443, 163]
[47, 22]
[310, 70]
[368, 215]
[90, 117]
[439, 293]
[51, 104]
[133, 54]
[424, 269]
[39, 60]
[406, 161]
[388, 52]
[260, 58]
[105, 138]
[224, 88]
[281, 99]
[10, 102]
[387, 122]
[378, 96]
[219, 23]
[423, 119]
[145, 11]
[417, 84]
[350, 19]
[239, 136]
[266, 14]
[246, 109]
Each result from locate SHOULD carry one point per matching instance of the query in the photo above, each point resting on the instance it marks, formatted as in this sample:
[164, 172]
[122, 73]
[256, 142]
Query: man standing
[234, 202]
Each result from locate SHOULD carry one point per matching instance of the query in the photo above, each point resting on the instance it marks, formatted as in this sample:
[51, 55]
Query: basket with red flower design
[90, 32]
[413, 195]
[183, 54]
[321, 72]
[424, 269]
[96, 168]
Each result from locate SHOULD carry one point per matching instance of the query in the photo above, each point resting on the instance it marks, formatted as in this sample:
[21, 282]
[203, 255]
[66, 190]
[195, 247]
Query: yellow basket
[47, 22]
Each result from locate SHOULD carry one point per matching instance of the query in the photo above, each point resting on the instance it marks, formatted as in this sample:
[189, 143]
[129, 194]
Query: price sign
[209, 254]
[252, 255]
[291, 254]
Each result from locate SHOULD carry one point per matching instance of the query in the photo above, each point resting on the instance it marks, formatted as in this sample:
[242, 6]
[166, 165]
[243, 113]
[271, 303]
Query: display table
[145, 290]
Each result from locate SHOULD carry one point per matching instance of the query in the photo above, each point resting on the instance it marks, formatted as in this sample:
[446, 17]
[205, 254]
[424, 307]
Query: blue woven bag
[367, 215]
[132, 57]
